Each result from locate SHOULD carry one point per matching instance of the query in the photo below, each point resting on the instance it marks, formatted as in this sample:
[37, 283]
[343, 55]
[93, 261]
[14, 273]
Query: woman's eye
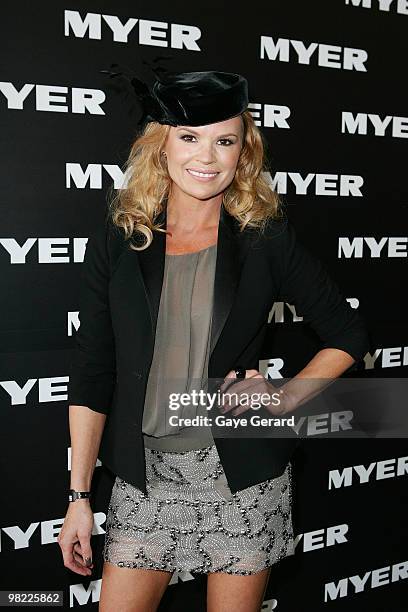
[186, 136]
[221, 139]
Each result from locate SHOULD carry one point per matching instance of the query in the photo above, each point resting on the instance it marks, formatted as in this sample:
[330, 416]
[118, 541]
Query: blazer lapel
[227, 274]
[230, 251]
[151, 262]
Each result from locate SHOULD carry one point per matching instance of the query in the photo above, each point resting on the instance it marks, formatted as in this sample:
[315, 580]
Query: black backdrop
[328, 124]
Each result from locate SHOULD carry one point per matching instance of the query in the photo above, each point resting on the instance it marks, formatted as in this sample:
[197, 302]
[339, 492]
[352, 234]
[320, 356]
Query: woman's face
[212, 150]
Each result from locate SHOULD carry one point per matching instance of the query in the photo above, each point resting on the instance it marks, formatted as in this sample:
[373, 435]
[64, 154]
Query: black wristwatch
[74, 495]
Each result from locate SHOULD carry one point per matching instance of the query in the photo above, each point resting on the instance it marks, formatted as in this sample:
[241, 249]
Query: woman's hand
[279, 403]
[75, 537]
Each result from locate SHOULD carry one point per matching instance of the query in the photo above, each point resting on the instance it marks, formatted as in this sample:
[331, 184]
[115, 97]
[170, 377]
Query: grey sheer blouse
[181, 351]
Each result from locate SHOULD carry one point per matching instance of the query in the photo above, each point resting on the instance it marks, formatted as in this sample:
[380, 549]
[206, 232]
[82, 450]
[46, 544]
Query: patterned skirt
[190, 521]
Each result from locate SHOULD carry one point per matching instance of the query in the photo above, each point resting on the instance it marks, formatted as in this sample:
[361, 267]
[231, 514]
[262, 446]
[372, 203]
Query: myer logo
[270, 115]
[318, 184]
[46, 250]
[360, 474]
[73, 322]
[393, 357]
[54, 98]
[320, 54]
[41, 390]
[368, 123]
[399, 6]
[368, 246]
[371, 579]
[91, 175]
[152, 33]
[320, 538]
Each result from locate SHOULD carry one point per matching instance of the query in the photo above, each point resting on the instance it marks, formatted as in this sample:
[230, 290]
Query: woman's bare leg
[234, 593]
[131, 590]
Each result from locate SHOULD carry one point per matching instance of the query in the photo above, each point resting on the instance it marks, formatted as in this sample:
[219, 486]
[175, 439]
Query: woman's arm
[305, 282]
[323, 369]
[93, 368]
[90, 395]
[86, 428]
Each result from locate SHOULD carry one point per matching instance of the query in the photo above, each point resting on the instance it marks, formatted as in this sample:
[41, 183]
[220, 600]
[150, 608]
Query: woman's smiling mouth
[202, 176]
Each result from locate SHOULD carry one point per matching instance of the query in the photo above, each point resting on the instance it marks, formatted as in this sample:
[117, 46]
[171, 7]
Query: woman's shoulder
[273, 231]
[276, 227]
[106, 242]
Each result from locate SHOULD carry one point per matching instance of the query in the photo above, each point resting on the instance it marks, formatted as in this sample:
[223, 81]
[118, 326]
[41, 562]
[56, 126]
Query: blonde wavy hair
[250, 197]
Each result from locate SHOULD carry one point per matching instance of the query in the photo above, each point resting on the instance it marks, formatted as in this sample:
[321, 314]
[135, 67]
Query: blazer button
[137, 374]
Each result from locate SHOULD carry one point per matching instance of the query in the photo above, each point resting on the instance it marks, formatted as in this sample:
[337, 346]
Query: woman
[176, 293]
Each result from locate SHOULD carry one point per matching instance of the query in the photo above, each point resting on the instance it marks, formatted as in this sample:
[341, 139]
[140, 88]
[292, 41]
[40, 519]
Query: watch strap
[74, 495]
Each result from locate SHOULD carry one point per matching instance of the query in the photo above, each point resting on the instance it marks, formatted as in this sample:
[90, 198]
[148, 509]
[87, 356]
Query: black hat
[190, 98]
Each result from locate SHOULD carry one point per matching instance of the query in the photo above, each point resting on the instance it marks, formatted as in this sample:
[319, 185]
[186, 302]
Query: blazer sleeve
[93, 368]
[306, 283]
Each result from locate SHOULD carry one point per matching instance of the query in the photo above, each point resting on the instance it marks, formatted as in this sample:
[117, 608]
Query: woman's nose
[206, 153]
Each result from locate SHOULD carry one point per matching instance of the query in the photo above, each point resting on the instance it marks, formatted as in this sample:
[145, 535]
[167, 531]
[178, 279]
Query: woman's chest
[179, 243]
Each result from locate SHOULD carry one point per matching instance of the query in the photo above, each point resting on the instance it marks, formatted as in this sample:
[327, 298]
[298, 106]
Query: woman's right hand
[75, 537]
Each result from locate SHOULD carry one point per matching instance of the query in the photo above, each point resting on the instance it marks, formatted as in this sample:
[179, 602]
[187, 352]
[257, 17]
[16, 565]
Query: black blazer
[119, 302]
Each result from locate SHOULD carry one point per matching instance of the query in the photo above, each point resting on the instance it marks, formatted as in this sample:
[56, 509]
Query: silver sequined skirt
[190, 521]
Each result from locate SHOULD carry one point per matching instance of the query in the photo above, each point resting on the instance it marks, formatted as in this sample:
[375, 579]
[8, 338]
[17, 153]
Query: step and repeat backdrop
[327, 89]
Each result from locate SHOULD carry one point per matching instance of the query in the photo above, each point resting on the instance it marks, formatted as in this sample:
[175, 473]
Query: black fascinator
[187, 98]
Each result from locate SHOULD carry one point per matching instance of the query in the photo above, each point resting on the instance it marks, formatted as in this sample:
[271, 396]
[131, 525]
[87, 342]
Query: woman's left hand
[280, 402]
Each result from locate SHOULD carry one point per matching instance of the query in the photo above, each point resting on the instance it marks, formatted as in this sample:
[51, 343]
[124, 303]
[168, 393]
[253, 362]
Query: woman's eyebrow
[194, 132]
